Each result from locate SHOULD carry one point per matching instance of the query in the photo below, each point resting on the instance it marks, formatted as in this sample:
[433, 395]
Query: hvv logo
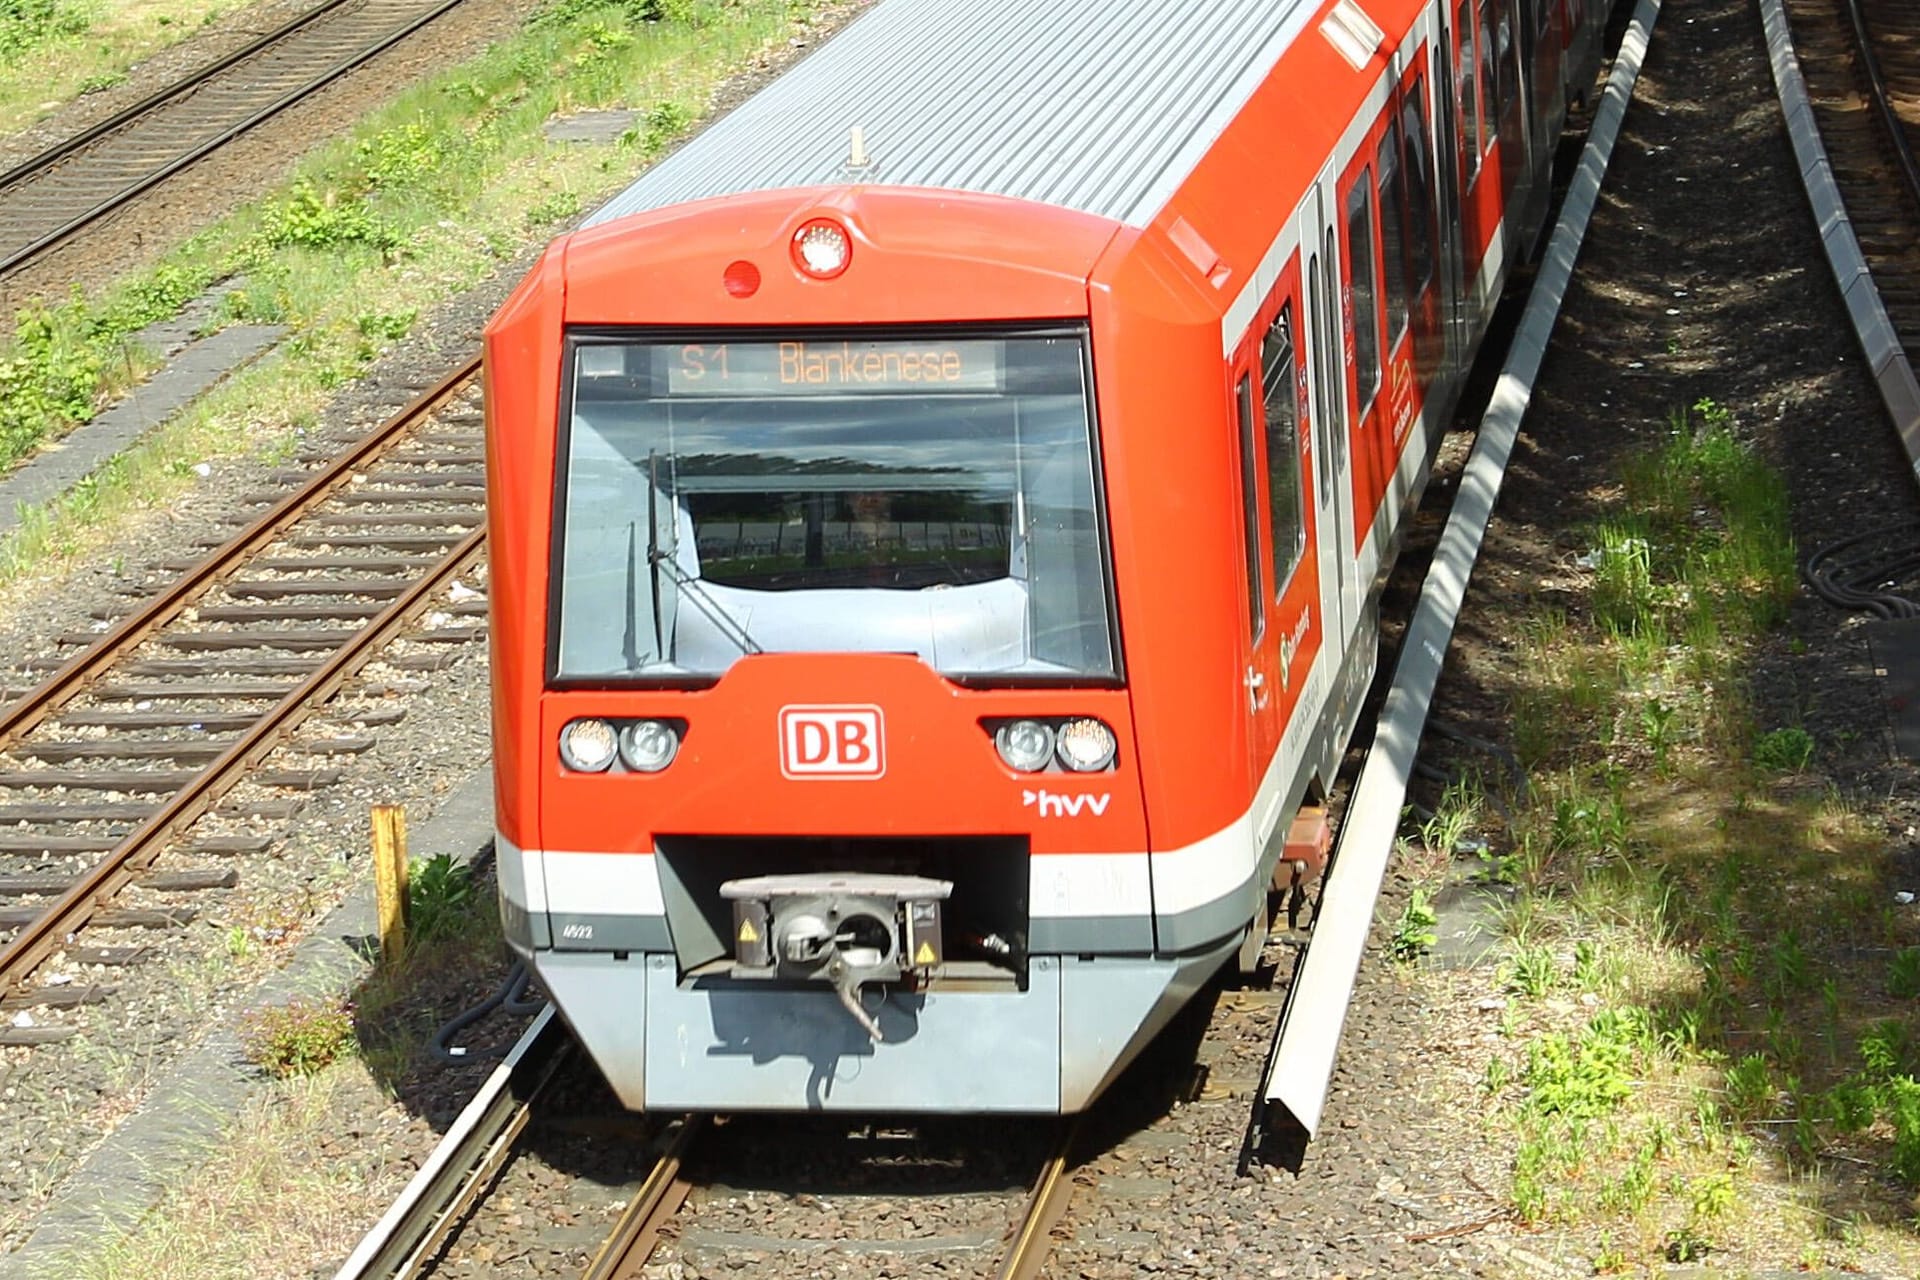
[1059, 806]
[832, 742]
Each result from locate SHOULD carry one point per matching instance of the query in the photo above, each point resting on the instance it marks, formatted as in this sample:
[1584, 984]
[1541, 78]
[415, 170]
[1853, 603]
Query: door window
[1250, 509]
[1420, 232]
[1364, 283]
[1392, 235]
[1288, 525]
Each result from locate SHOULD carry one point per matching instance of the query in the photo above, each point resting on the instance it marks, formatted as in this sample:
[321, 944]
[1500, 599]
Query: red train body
[841, 499]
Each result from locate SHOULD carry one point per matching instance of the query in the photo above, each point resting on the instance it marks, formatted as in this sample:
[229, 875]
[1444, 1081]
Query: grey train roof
[1097, 105]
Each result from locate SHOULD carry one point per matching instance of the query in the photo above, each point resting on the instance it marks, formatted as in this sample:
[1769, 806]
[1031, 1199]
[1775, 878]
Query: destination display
[756, 369]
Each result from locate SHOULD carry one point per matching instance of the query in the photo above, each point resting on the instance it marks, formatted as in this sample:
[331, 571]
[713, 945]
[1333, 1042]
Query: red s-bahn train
[936, 519]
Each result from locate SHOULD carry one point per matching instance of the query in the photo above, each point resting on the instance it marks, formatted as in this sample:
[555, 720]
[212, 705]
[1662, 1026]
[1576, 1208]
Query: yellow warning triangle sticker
[747, 932]
[924, 955]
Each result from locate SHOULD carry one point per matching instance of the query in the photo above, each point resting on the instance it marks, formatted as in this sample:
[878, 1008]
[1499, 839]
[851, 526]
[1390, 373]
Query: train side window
[1322, 382]
[1336, 393]
[1250, 508]
[1413, 125]
[1364, 283]
[1465, 76]
[1507, 59]
[1483, 50]
[1289, 528]
[1392, 234]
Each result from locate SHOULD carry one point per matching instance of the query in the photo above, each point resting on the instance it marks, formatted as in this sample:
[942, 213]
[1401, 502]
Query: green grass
[55, 50]
[427, 198]
[29, 26]
[1710, 1046]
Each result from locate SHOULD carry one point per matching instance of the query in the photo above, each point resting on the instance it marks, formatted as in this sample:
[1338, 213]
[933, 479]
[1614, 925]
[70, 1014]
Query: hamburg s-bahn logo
[832, 742]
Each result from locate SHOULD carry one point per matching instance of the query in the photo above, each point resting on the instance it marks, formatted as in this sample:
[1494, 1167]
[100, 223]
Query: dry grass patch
[283, 1195]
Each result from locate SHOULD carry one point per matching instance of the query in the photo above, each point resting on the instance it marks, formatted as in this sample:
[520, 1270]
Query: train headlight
[1025, 745]
[648, 746]
[1084, 745]
[822, 248]
[587, 745]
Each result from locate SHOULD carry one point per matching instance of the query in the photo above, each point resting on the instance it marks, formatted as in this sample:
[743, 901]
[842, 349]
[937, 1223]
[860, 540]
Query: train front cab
[870, 579]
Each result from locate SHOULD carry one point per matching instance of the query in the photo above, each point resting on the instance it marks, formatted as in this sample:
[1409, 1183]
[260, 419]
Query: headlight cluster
[1081, 744]
[644, 746]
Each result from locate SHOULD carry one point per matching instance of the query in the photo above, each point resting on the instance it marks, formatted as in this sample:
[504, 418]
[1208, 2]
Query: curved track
[1848, 75]
[119, 755]
[58, 193]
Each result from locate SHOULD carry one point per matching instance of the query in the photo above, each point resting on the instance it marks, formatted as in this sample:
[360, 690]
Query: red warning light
[742, 279]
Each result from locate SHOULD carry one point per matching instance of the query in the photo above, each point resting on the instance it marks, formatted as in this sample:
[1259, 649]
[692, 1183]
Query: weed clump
[1783, 750]
[50, 377]
[305, 1035]
[440, 897]
[312, 219]
[1417, 931]
[26, 25]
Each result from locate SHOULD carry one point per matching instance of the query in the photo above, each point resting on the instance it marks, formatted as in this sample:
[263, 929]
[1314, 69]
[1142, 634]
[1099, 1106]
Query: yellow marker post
[390, 878]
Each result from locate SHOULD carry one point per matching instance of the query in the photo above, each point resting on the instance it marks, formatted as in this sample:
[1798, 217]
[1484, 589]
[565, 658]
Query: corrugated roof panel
[1097, 105]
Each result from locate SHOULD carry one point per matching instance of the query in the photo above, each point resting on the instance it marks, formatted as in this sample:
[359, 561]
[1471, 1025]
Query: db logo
[832, 742]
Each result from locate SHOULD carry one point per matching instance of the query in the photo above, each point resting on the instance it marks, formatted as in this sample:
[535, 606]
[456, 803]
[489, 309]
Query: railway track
[50, 198]
[1861, 61]
[710, 1186]
[1010, 1232]
[189, 727]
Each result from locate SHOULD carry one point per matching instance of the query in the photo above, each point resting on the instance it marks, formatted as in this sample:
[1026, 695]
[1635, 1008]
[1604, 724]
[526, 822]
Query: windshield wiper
[658, 558]
[697, 592]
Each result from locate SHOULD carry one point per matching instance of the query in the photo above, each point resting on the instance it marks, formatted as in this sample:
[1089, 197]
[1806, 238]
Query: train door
[1509, 36]
[1416, 232]
[1380, 380]
[1296, 637]
[1281, 580]
[1476, 152]
[1446, 138]
[1333, 529]
[1262, 676]
[1546, 75]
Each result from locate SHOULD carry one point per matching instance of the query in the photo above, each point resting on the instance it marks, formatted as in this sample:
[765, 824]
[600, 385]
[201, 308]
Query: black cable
[516, 1003]
[1863, 572]
[508, 996]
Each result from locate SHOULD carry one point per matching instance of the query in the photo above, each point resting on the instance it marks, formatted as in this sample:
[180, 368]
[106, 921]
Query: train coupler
[847, 930]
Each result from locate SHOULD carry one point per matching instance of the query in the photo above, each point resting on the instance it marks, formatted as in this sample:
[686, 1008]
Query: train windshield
[932, 494]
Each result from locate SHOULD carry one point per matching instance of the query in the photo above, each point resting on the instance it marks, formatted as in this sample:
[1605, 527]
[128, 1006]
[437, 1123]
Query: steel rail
[156, 176]
[633, 1239]
[473, 1150]
[35, 165]
[1032, 1241]
[60, 687]
[1892, 372]
[1883, 101]
[48, 932]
